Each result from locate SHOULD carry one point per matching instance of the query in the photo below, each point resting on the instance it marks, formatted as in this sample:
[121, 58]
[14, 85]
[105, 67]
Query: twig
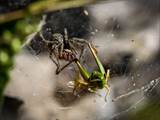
[41, 7]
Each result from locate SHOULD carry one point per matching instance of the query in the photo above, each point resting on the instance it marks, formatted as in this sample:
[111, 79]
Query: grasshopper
[98, 79]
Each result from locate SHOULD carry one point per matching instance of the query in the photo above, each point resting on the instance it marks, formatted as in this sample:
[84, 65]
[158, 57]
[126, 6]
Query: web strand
[146, 89]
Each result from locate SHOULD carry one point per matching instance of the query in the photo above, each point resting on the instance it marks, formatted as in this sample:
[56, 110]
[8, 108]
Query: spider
[63, 48]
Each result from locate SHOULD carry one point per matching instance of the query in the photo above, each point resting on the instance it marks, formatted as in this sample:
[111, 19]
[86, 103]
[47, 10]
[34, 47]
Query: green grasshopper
[92, 81]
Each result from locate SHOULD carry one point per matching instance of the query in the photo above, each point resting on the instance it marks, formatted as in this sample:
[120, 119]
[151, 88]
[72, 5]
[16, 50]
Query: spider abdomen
[67, 55]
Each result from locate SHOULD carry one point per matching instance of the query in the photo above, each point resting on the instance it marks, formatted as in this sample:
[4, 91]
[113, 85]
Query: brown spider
[63, 48]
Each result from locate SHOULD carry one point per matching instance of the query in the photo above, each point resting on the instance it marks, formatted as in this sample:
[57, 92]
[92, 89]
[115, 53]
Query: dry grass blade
[41, 7]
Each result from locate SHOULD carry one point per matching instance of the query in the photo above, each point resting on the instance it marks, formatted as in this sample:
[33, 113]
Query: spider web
[147, 89]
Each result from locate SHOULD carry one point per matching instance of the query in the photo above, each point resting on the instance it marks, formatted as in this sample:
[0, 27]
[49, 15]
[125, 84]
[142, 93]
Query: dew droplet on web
[86, 12]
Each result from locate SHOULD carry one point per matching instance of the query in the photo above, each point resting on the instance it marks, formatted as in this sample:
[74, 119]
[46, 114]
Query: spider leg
[61, 49]
[65, 34]
[78, 42]
[44, 40]
[55, 52]
[56, 62]
[68, 41]
[72, 47]
[82, 52]
[51, 57]
[62, 68]
[82, 43]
